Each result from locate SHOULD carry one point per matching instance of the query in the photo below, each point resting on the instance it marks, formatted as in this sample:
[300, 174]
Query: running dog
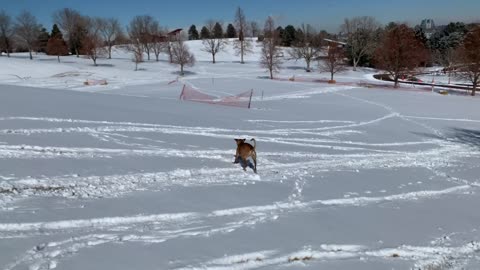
[244, 151]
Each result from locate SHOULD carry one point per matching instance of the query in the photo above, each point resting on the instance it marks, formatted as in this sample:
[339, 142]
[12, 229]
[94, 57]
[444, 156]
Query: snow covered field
[126, 176]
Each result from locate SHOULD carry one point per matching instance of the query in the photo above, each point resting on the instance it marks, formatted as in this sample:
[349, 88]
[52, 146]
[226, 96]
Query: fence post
[181, 94]
[250, 101]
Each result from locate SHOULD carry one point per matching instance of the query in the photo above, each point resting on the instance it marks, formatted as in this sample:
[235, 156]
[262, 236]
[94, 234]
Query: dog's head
[240, 141]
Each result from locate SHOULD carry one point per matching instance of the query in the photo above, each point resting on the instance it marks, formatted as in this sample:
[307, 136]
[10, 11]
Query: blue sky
[323, 14]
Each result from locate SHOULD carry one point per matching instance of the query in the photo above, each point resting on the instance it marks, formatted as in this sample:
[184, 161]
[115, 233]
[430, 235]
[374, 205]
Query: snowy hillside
[127, 176]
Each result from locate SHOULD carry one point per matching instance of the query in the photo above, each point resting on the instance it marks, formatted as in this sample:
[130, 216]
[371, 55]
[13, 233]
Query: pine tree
[288, 36]
[280, 32]
[42, 40]
[218, 31]
[231, 31]
[193, 33]
[204, 33]
[56, 32]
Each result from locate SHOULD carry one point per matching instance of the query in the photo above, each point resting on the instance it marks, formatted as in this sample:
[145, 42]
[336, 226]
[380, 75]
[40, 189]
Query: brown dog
[244, 151]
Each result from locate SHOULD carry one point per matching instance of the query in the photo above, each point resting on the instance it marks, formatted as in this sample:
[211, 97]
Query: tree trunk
[331, 76]
[271, 74]
[30, 52]
[94, 61]
[213, 56]
[77, 52]
[181, 70]
[474, 88]
[109, 52]
[355, 64]
[136, 66]
[241, 51]
[308, 65]
[58, 58]
[157, 58]
[395, 79]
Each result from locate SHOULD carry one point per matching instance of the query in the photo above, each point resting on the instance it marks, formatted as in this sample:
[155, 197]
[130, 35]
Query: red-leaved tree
[400, 53]
[468, 56]
[57, 46]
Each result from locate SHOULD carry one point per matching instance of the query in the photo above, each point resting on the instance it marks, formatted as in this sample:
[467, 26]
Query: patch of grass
[300, 259]
[258, 259]
[15, 190]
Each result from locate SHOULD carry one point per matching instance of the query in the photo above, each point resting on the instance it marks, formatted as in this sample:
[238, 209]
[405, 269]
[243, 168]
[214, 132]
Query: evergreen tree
[420, 34]
[288, 36]
[218, 31]
[231, 31]
[280, 32]
[77, 39]
[42, 40]
[204, 33]
[56, 32]
[193, 33]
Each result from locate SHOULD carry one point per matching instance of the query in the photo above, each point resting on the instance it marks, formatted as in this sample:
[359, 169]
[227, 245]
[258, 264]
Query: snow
[126, 176]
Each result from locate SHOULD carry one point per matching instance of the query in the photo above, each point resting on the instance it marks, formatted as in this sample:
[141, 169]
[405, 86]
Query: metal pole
[250, 101]
[181, 94]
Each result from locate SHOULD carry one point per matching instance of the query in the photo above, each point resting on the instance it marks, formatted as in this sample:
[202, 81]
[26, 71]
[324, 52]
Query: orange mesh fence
[242, 100]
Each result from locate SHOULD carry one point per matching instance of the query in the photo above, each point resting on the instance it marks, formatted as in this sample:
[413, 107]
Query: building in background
[428, 27]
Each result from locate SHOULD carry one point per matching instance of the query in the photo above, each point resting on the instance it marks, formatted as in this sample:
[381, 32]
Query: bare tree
[243, 45]
[6, 32]
[136, 47]
[400, 53]
[334, 62]
[158, 41]
[27, 30]
[110, 29]
[362, 37]
[141, 29]
[271, 53]
[73, 25]
[448, 59]
[214, 43]
[93, 44]
[469, 57]
[308, 45]
[254, 29]
[181, 55]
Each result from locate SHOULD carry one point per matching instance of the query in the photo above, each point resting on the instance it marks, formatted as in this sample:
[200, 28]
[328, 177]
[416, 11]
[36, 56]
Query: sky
[323, 14]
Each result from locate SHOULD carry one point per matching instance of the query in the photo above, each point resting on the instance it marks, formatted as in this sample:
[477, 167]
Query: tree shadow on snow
[298, 68]
[465, 136]
[105, 65]
[185, 73]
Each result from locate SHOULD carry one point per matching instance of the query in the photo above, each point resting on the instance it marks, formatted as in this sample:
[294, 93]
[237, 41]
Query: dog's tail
[254, 143]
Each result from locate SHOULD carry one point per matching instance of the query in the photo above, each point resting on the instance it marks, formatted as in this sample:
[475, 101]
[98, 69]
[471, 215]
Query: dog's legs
[254, 157]
[244, 163]
[237, 158]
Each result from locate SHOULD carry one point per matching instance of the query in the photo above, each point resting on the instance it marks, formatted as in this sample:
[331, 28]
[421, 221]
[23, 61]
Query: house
[428, 27]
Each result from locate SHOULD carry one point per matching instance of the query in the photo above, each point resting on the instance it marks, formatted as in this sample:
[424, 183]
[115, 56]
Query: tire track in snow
[164, 227]
[423, 258]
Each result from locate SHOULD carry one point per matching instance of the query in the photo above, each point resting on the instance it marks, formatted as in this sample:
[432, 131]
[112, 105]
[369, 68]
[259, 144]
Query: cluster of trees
[401, 50]
[71, 33]
[396, 48]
